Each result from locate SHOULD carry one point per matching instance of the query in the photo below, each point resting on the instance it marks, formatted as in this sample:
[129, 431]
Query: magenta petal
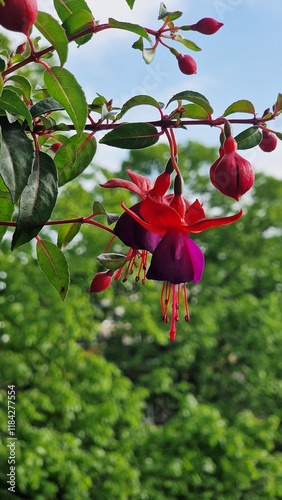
[177, 259]
[133, 235]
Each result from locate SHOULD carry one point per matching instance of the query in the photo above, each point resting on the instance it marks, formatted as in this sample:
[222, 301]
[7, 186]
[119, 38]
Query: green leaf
[130, 3]
[45, 106]
[76, 23]
[112, 261]
[279, 135]
[11, 102]
[37, 200]
[67, 232]
[134, 28]
[148, 55]
[192, 96]
[189, 44]
[16, 158]
[63, 86]
[131, 136]
[195, 111]
[249, 138]
[138, 100]
[277, 107]
[24, 84]
[54, 33]
[164, 13]
[73, 158]
[139, 44]
[54, 266]
[98, 209]
[66, 8]
[241, 106]
[6, 207]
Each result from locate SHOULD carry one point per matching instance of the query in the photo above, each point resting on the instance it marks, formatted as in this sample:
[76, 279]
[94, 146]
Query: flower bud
[18, 15]
[55, 146]
[232, 174]
[187, 64]
[101, 281]
[206, 26]
[21, 49]
[268, 142]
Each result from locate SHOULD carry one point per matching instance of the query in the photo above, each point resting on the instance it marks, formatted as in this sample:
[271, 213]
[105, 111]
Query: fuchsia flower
[160, 224]
[232, 174]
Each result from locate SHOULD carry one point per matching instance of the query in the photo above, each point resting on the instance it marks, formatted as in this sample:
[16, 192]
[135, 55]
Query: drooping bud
[206, 26]
[18, 15]
[101, 281]
[268, 142]
[55, 146]
[187, 64]
[232, 174]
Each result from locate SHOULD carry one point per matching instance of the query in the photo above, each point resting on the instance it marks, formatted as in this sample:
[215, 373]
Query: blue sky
[241, 61]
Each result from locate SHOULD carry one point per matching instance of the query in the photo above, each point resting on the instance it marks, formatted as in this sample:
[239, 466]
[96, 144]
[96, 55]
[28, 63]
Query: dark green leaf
[241, 106]
[37, 200]
[54, 266]
[138, 100]
[54, 33]
[66, 233]
[45, 106]
[24, 84]
[134, 28]
[16, 158]
[132, 136]
[139, 45]
[112, 261]
[76, 23]
[66, 8]
[249, 138]
[98, 209]
[73, 158]
[11, 102]
[130, 3]
[6, 207]
[192, 96]
[63, 86]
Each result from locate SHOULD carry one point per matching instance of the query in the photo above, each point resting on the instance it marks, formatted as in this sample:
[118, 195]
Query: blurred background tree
[107, 407]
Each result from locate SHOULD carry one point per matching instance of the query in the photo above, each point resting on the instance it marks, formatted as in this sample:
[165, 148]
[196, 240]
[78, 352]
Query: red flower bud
[206, 26]
[187, 64]
[232, 174]
[21, 49]
[101, 281]
[55, 146]
[18, 15]
[268, 142]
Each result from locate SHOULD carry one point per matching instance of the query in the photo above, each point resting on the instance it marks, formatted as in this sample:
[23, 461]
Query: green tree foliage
[107, 407]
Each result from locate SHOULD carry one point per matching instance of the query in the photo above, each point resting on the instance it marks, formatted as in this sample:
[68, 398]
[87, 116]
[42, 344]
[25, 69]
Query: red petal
[194, 213]
[141, 181]
[204, 224]
[122, 183]
[160, 216]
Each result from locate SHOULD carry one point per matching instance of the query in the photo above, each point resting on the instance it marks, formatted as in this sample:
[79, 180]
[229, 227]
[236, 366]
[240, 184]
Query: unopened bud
[187, 64]
[18, 15]
[268, 142]
[101, 281]
[206, 26]
[232, 174]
